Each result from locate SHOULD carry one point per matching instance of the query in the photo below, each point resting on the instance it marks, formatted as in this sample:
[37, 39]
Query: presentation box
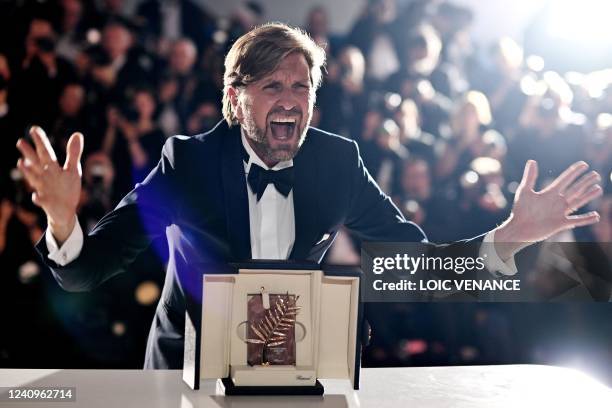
[271, 328]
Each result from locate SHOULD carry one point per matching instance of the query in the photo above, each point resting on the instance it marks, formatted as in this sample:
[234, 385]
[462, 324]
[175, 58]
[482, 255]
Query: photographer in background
[343, 96]
[23, 282]
[178, 85]
[9, 129]
[96, 195]
[43, 73]
[478, 200]
[470, 137]
[550, 131]
[133, 140]
[415, 198]
[71, 116]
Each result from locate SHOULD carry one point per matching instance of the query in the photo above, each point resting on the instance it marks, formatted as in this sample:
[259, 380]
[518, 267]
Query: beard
[261, 138]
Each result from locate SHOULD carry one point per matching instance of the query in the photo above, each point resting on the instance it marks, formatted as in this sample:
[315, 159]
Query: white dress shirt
[272, 219]
[272, 222]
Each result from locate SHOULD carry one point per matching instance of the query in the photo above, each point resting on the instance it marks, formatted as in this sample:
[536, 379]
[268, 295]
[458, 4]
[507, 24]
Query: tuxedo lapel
[235, 194]
[305, 201]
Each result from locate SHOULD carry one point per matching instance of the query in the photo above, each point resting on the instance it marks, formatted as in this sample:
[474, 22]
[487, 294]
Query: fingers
[74, 151]
[31, 174]
[588, 196]
[530, 175]
[43, 146]
[585, 183]
[28, 153]
[583, 219]
[568, 176]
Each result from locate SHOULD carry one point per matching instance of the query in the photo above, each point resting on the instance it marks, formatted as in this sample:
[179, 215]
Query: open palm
[57, 189]
[544, 213]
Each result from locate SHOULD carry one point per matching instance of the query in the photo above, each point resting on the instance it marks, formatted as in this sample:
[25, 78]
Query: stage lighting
[392, 100]
[147, 293]
[412, 347]
[530, 86]
[412, 206]
[535, 63]
[93, 36]
[469, 179]
[597, 82]
[604, 121]
[220, 37]
[118, 328]
[512, 187]
[486, 166]
[584, 20]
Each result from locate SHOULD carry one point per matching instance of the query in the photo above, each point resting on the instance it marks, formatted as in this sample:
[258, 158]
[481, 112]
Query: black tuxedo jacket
[197, 196]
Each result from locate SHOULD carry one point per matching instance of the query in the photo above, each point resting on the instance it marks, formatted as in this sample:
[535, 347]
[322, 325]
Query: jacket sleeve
[117, 239]
[372, 215]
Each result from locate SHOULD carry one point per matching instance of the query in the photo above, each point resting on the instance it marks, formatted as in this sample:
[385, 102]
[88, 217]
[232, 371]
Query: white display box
[329, 322]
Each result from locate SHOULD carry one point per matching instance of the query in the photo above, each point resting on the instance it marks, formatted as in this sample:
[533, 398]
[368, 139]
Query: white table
[476, 386]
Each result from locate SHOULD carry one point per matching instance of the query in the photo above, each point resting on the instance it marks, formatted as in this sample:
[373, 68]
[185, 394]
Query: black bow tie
[259, 178]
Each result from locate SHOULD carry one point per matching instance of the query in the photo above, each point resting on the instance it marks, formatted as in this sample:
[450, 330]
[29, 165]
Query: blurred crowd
[444, 126]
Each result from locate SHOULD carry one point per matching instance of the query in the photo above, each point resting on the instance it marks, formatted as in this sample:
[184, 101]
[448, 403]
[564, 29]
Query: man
[167, 21]
[210, 193]
[180, 85]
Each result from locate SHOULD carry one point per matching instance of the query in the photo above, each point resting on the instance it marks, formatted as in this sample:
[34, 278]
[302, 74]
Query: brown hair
[260, 51]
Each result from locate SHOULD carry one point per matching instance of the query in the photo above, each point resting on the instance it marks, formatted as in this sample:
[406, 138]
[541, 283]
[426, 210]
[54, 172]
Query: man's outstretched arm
[117, 239]
[535, 216]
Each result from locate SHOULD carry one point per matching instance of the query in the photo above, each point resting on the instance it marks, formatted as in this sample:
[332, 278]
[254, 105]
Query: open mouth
[283, 128]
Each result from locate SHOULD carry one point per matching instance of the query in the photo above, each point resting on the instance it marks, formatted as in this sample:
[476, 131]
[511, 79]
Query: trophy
[275, 329]
[271, 328]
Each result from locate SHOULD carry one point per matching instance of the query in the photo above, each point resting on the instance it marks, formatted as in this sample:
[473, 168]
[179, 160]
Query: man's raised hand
[537, 215]
[56, 189]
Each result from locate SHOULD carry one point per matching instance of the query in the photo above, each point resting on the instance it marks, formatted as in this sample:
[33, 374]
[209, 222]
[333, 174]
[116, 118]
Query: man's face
[183, 57]
[116, 40]
[276, 110]
[71, 100]
[416, 180]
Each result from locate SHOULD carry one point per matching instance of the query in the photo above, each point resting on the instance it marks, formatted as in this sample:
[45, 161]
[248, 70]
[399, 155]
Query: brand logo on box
[302, 377]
